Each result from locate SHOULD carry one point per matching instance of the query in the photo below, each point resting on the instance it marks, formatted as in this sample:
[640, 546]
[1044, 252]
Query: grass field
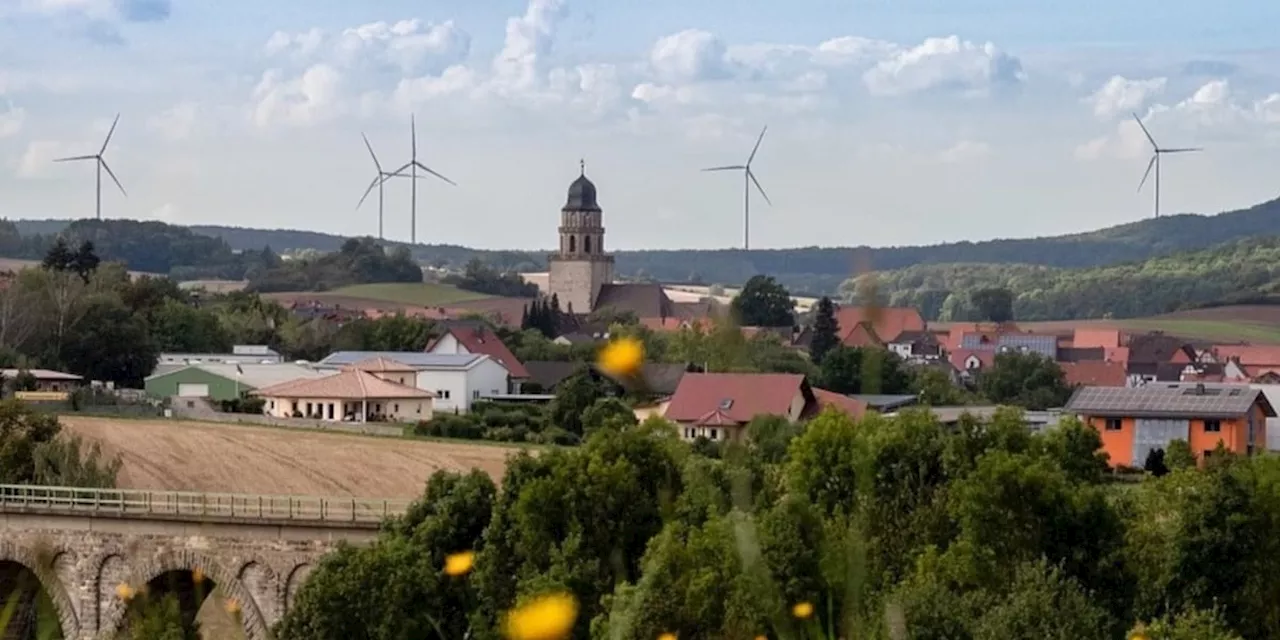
[420, 294]
[221, 458]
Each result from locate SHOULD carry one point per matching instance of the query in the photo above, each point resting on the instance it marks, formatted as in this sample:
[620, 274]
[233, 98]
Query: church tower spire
[580, 268]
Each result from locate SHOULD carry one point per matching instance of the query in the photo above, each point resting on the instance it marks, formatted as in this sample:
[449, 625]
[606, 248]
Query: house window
[1212, 426]
[1114, 424]
[396, 407]
[475, 395]
[715, 433]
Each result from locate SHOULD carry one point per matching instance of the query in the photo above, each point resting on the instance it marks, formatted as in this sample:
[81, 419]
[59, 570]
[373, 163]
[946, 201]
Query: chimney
[1200, 388]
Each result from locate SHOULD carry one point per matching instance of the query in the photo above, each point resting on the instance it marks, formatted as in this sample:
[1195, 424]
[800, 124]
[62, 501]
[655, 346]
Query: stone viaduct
[79, 546]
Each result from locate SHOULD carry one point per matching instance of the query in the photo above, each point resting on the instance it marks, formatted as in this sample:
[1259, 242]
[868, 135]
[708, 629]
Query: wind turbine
[378, 180]
[1156, 152]
[102, 164]
[413, 165]
[748, 178]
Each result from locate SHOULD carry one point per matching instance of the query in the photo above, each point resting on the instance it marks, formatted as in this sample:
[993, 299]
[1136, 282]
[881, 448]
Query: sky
[890, 122]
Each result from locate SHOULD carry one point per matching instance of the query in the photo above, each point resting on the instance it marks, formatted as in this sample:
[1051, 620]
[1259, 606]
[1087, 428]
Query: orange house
[1134, 421]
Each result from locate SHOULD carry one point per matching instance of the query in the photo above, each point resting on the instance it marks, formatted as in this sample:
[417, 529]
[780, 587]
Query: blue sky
[890, 121]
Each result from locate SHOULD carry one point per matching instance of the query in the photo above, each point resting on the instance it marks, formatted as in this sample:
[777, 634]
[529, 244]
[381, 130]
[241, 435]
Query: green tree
[182, 328]
[994, 304]
[1027, 380]
[863, 370]
[1179, 456]
[574, 396]
[158, 619]
[59, 257]
[1043, 602]
[763, 303]
[1192, 624]
[826, 330]
[85, 261]
[109, 342]
[608, 413]
[22, 432]
[935, 388]
[1154, 464]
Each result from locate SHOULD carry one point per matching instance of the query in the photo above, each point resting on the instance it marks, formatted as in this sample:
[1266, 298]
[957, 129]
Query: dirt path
[190, 456]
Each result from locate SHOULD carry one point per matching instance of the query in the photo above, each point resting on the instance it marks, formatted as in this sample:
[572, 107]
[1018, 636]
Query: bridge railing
[181, 504]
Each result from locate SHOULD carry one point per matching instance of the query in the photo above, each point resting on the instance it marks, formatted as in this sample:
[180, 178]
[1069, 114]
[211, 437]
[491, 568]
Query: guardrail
[197, 506]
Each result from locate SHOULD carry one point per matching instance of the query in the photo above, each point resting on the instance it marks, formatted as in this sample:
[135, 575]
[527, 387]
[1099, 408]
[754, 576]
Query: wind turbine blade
[738, 167]
[432, 172]
[388, 176]
[398, 172]
[74, 158]
[371, 153]
[758, 187]
[368, 191]
[1182, 150]
[113, 177]
[110, 131]
[1146, 175]
[757, 147]
[1144, 131]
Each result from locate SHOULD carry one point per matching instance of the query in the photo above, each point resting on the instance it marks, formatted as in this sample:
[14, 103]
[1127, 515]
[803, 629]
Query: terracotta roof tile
[379, 364]
[741, 396]
[1249, 355]
[1094, 373]
[716, 418]
[890, 322]
[475, 337]
[348, 385]
[852, 406]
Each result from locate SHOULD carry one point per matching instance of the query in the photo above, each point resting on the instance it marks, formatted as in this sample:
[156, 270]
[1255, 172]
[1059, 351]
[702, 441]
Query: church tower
[581, 267]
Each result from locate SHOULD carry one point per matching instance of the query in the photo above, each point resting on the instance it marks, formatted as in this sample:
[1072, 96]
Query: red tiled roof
[1105, 338]
[986, 356]
[862, 335]
[380, 364]
[1094, 373]
[716, 418]
[348, 385]
[740, 396]
[477, 338]
[855, 408]
[889, 322]
[1249, 355]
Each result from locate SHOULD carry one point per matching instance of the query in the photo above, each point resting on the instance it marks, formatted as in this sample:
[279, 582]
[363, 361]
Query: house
[223, 380]
[1041, 343]
[717, 406]
[1133, 421]
[476, 337]
[950, 416]
[886, 403]
[353, 395]
[46, 379]
[1149, 351]
[241, 354]
[661, 378]
[971, 362]
[456, 379]
[917, 347]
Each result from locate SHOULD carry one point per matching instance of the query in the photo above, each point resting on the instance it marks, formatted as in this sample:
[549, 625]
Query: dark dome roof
[582, 195]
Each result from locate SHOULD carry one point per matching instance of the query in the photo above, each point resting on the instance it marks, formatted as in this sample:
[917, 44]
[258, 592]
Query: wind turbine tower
[748, 179]
[1156, 152]
[378, 181]
[413, 165]
[101, 164]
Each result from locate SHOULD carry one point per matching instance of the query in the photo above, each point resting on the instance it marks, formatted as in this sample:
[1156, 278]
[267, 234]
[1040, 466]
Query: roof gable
[741, 396]
[889, 322]
[478, 338]
[352, 384]
[644, 300]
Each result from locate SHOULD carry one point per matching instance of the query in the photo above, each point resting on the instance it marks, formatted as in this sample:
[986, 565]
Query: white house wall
[452, 381]
[489, 378]
[448, 344]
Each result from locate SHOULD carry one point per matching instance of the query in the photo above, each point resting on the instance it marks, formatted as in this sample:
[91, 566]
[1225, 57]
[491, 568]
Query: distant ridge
[815, 269]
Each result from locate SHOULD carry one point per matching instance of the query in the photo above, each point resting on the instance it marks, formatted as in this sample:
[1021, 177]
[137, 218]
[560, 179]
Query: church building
[581, 271]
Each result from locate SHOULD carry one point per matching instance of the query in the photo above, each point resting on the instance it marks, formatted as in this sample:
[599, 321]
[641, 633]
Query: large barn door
[1153, 433]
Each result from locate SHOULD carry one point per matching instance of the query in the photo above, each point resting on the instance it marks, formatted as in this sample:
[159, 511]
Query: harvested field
[221, 458]
[1256, 324]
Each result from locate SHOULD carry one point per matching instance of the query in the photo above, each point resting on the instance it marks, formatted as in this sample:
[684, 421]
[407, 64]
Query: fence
[199, 409]
[178, 504]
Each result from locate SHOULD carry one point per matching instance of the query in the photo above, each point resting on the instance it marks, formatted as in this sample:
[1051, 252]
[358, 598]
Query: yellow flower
[197, 575]
[761, 638]
[125, 592]
[621, 358]
[457, 564]
[548, 617]
[667, 636]
[232, 606]
[802, 610]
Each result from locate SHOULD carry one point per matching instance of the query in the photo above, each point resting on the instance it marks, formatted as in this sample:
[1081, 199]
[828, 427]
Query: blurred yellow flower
[761, 638]
[548, 617]
[621, 358]
[125, 592]
[457, 564]
[1140, 633]
[802, 610]
[197, 575]
[667, 636]
[232, 606]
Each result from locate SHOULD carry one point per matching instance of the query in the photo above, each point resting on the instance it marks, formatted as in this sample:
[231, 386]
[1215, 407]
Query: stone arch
[297, 576]
[586, 244]
[103, 571]
[29, 558]
[262, 583]
[188, 561]
[573, 243]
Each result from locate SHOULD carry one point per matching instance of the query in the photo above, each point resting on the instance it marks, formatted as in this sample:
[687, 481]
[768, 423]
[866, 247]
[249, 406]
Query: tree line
[859, 529]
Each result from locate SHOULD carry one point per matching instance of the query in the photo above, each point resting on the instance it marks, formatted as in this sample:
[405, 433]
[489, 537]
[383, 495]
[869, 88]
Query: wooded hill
[802, 270]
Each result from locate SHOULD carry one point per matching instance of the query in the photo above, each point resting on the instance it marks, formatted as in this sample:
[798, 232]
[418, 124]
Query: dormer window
[726, 404]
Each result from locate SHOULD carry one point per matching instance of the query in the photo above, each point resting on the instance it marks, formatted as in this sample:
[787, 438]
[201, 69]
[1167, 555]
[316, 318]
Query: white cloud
[37, 160]
[308, 99]
[964, 151]
[691, 55]
[407, 45]
[1121, 95]
[167, 212]
[1212, 111]
[529, 39]
[854, 50]
[303, 45]
[944, 63]
[11, 120]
